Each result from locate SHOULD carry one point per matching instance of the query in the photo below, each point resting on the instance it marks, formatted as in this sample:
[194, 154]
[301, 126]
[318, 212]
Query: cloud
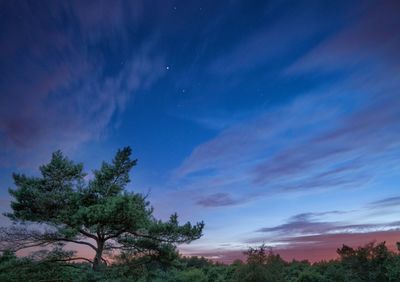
[216, 200]
[363, 135]
[386, 202]
[274, 40]
[302, 224]
[308, 224]
[335, 145]
[345, 135]
[371, 39]
[59, 87]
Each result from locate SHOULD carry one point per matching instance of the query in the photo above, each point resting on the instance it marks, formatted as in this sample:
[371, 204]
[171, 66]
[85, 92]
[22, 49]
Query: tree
[100, 213]
[262, 265]
[367, 263]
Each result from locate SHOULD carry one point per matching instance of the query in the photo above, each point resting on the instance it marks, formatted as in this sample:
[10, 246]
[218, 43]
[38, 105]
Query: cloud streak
[341, 136]
[386, 202]
[65, 91]
[217, 200]
[308, 224]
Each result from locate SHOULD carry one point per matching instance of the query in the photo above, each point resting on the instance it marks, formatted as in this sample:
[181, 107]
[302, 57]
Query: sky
[275, 122]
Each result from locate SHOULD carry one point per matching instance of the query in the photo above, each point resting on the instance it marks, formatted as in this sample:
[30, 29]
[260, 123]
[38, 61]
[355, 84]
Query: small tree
[99, 213]
[262, 265]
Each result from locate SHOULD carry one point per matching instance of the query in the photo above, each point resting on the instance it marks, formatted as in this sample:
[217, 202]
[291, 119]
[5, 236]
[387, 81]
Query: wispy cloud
[372, 39]
[217, 199]
[303, 224]
[309, 224]
[65, 91]
[262, 47]
[334, 147]
[386, 202]
[341, 136]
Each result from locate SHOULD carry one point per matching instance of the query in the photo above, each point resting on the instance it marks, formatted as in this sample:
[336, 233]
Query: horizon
[275, 122]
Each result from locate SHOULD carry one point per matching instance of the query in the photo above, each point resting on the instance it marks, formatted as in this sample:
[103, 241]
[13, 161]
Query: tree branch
[115, 235]
[70, 259]
[77, 242]
[90, 235]
[159, 239]
[21, 238]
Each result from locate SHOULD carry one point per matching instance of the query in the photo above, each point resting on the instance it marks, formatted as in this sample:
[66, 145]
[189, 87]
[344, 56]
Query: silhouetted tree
[367, 263]
[262, 265]
[98, 213]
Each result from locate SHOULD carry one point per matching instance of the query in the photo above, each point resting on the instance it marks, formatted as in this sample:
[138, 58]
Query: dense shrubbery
[374, 263]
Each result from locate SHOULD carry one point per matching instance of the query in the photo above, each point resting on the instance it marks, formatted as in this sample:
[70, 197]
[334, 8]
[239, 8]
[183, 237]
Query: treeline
[372, 262]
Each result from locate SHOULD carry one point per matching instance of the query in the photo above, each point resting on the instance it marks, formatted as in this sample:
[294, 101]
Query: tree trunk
[97, 261]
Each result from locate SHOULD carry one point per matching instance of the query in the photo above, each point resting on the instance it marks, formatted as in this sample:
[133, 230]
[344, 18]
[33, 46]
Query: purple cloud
[372, 38]
[59, 92]
[216, 200]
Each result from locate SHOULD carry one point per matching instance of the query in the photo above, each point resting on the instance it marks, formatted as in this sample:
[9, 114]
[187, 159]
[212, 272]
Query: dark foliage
[373, 262]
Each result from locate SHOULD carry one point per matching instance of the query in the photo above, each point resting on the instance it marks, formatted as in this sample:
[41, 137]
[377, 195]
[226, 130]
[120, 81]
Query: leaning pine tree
[100, 213]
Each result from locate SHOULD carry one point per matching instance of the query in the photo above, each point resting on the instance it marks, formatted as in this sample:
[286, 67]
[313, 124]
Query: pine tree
[100, 213]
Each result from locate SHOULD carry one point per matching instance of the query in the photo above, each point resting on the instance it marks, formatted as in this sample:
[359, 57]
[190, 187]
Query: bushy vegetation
[372, 263]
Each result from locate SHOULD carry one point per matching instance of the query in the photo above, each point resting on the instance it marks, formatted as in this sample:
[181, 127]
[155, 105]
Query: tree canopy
[63, 206]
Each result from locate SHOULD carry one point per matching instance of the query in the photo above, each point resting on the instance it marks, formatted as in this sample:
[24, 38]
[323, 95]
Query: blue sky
[272, 121]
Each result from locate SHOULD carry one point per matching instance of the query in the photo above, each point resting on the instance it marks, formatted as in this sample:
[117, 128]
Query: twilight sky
[272, 121]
